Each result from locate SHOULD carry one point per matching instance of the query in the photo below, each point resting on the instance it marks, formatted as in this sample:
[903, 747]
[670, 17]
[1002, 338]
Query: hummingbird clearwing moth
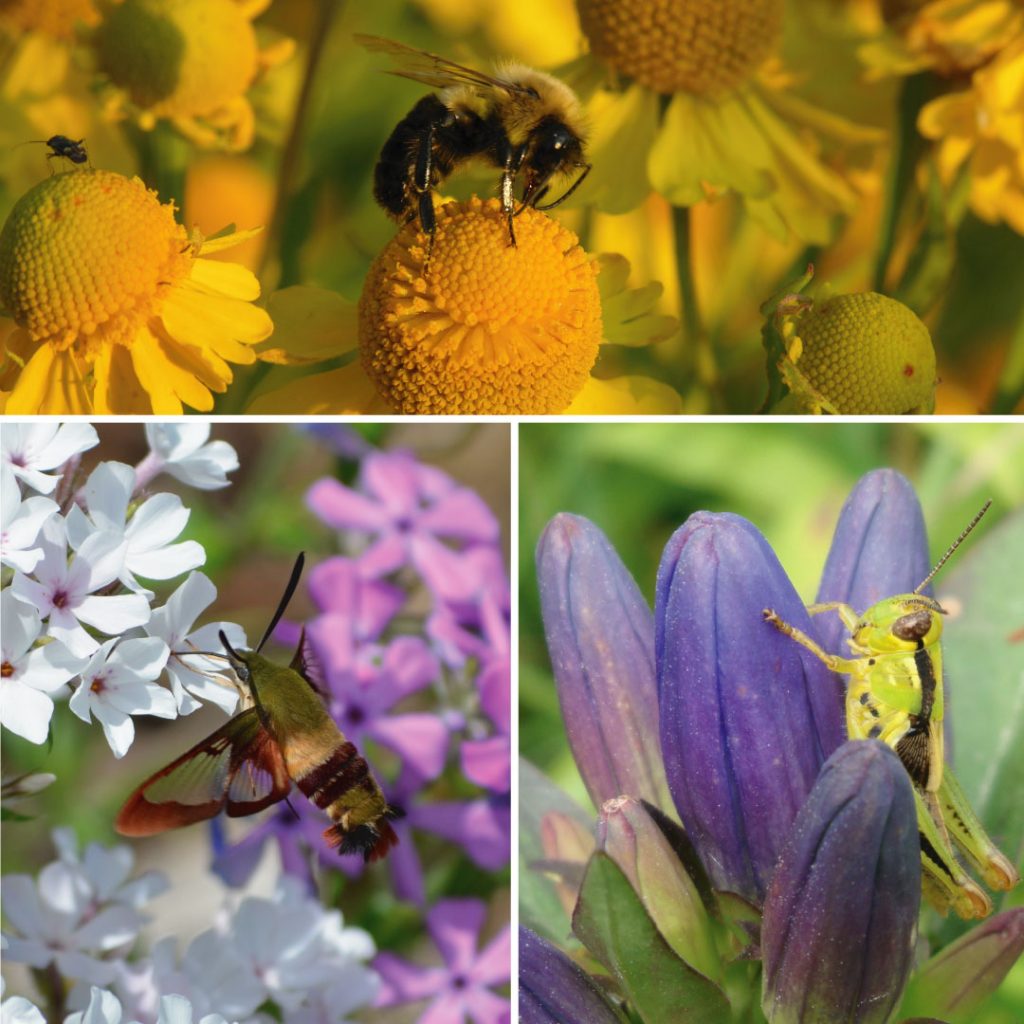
[250, 762]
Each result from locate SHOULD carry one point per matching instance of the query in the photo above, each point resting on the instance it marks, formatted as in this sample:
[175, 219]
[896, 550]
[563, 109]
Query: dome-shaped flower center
[868, 354]
[487, 327]
[88, 251]
[57, 18]
[704, 47]
[178, 57]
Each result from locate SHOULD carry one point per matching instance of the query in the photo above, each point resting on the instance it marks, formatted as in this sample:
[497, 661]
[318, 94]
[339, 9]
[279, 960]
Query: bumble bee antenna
[952, 547]
[569, 191]
[285, 598]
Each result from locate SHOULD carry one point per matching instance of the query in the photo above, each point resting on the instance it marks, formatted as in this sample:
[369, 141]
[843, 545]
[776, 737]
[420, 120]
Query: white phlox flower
[63, 592]
[193, 675]
[105, 1008]
[18, 1010]
[180, 449]
[32, 449]
[117, 683]
[148, 534]
[29, 674]
[20, 523]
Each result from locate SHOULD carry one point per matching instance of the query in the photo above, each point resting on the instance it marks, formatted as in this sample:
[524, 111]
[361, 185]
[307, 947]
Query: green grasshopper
[895, 695]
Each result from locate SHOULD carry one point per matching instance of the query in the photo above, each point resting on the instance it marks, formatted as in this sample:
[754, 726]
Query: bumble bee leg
[967, 832]
[513, 160]
[833, 661]
[944, 882]
[423, 180]
[848, 616]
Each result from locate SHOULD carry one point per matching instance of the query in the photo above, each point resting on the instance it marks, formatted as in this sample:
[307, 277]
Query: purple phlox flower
[462, 987]
[410, 510]
[486, 761]
[149, 532]
[341, 586]
[64, 592]
[342, 439]
[481, 827]
[747, 716]
[31, 450]
[20, 523]
[366, 681]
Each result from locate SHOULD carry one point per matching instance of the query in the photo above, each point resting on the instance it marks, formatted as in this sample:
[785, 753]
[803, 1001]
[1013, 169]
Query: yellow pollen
[178, 58]
[704, 47]
[868, 354]
[56, 18]
[87, 253]
[487, 327]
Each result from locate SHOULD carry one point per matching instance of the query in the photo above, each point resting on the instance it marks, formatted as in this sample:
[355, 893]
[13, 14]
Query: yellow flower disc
[88, 251]
[57, 18]
[486, 327]
[868, 354]
[705, 47]
[178, 58]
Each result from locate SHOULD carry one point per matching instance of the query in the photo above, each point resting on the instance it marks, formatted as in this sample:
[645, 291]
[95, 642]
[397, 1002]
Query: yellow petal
[310, 324]
[625, 396]
[211, 321]
[151, 369]
[343, 392]
[227, 241]
[118, 389]
[220, 278]
[52, 383]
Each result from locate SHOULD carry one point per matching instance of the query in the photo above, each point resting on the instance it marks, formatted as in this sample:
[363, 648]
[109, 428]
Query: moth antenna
[952, 547]
[227, 646]
[286, 597]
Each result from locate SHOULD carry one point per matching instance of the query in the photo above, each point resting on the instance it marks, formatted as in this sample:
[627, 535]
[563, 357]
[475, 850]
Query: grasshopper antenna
[952, 547]
[285, 598]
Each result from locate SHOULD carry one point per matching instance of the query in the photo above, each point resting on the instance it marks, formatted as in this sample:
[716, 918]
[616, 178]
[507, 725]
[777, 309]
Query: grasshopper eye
[914, 626]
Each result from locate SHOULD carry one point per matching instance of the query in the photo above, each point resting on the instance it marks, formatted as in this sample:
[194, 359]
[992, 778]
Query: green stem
[163, 160]
[1011, 380]
[326, 12]
[906, 149]
[687, 290]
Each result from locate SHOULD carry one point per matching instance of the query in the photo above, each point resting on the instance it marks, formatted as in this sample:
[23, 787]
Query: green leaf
[612, 923]
[983, 656]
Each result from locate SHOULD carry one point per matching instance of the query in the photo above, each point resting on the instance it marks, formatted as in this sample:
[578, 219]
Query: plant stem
[697, 365]
[325, 14]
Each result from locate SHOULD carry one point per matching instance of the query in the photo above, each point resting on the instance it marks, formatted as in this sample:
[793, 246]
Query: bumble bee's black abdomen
[430, 125]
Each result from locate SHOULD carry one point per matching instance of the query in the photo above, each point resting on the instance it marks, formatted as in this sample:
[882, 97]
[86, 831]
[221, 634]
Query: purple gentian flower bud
[600, 635]
[554, 990]
[747, 716]
[840, 918]
[879, 549]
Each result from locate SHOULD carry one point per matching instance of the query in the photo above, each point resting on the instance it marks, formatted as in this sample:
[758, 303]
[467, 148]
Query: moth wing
[239, 767]
[435, 71]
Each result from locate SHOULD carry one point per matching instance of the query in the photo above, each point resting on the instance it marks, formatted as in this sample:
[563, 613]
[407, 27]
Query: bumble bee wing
[435, 71]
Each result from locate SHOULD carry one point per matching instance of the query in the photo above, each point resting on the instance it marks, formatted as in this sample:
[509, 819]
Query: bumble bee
[524, 122]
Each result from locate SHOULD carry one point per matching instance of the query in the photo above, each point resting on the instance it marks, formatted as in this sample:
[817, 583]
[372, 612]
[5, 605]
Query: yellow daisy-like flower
[481, 327]
[949, 36]
[853, 354]
[189, 61]
[731, 123]
[980, 132]
[117, 311]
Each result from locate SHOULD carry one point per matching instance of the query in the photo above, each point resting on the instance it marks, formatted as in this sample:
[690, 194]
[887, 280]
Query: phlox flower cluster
[80, 920]
[78, 620]
[410, 644]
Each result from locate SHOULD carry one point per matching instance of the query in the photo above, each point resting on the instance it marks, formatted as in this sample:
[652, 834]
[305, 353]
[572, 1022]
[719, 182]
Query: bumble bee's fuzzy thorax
[552, 98]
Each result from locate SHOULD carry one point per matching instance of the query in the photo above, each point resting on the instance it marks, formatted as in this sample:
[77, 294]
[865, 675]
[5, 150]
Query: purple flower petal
[392, 478]
[448, 574]
[408, 666]
[338, 585]
[342, 508]
[486, 762]
[840, 917]
[480, 827]
[554, 990]
[403, 982]
[454, 926]
[420, 739]
[600, 636]
[747, 716]
[461, 515]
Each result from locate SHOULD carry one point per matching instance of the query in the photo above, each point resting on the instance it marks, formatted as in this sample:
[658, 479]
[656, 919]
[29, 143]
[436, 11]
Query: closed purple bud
[840, 918]
[747, 716]
[600, 635]
[554, 990]
[879, 549]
